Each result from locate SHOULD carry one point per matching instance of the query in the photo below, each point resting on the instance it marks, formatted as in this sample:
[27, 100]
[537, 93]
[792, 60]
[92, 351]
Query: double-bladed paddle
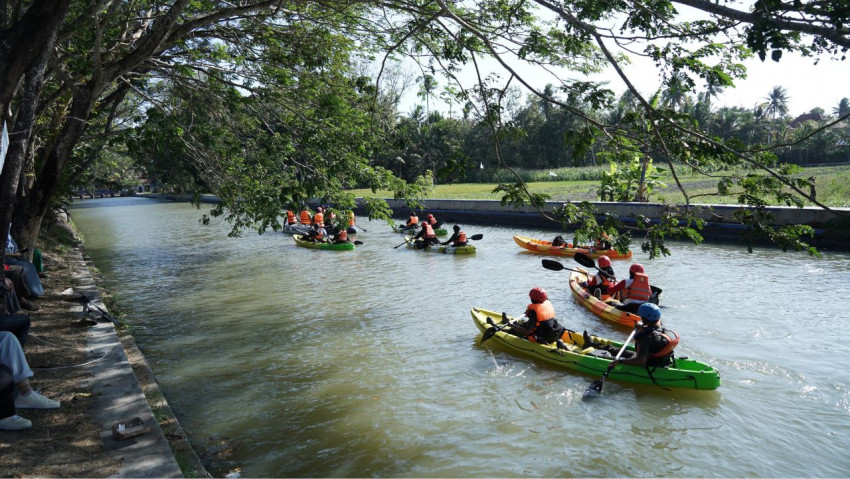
[595, 387]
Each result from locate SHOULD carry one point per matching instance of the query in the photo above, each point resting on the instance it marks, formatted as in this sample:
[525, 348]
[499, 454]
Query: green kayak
[328, 246]
[466, 249]
[683, 373]
[412, 230]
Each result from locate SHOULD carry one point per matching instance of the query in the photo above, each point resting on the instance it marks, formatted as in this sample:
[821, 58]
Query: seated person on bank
[15, 389]
[15, 257]
[16, 285]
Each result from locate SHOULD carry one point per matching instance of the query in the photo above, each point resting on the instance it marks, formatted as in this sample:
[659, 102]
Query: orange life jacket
[351, 219]
[290, 217]
[461, 237]
[639, 290]
[342, 235]
[305, 217]
[413, 220]
[432, 221]
[429, 232]
[319, 218]
[544, 311]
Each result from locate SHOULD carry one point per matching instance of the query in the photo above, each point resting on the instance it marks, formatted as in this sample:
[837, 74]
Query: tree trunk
[22, 43]
[19, 139]
[35, 203]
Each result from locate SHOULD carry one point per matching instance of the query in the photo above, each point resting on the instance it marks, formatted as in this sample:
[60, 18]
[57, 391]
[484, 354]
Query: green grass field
[833, 189]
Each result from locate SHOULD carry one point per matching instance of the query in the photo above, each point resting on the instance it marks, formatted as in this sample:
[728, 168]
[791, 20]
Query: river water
[284, 361]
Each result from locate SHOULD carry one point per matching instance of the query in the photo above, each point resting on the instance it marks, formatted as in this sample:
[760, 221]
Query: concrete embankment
[832, 227]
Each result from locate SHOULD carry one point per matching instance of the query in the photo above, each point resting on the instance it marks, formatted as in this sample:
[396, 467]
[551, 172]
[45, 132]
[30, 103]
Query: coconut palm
[843, 108]
[428, 86]
[675, 96]
[777, 102]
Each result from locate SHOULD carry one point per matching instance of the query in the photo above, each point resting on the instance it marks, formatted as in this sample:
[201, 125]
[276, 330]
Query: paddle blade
[476, 237]
[595, 389]
[584, 260]
[358, 242]
[553, 265]
[488, 334]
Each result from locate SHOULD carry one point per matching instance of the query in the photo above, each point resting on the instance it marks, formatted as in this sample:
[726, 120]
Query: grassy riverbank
[833, 188]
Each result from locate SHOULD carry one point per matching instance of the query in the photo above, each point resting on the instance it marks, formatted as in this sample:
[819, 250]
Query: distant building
[804, 118]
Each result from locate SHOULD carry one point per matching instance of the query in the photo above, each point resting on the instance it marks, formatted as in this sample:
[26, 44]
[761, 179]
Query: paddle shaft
[619, 353]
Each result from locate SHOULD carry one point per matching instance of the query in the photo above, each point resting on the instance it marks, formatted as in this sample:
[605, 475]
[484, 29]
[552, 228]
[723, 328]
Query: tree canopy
[265, 103]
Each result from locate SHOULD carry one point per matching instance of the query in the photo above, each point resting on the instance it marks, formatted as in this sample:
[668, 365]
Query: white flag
[4, 146]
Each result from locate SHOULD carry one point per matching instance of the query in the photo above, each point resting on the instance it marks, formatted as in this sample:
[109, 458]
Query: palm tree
[429, 84]
[674, 97]
[843, 108]
[777, 102]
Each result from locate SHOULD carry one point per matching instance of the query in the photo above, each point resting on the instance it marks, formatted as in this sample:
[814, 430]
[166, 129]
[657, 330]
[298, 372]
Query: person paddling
[636, 289]
[654, 344]
[539, 325]
[457, 239]
[412, 220]
[599, 283]
[341, 237]
[426, 237]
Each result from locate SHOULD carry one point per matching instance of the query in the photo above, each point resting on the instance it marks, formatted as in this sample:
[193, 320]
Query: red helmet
[636, 268]
[429, 216]
[604, 261]
[424, 223]
[538, 295]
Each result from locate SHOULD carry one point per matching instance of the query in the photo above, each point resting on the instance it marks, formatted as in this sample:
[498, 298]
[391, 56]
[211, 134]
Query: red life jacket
[290, 217]
[461, 237]
[639, 290]
[413, 220]
[342, 235]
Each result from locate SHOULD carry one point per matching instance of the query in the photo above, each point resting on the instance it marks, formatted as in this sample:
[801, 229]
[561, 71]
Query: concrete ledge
[120, 397]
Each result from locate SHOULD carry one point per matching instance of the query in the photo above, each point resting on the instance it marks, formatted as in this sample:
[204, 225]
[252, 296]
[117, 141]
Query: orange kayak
[598, 306]
[545, 247]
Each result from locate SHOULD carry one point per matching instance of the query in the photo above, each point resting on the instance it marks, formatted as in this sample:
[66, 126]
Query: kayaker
[316, 233]
[654, 345]
[319, 217]
[602, 243]
[433, 221]
[599, 283]
[341, 237]
[305, 217]
[636, 289]
[425, 237]
[539, 325]
[458, 238]
[290, 218]
[412, 221]
[352, 228]
[559, 242]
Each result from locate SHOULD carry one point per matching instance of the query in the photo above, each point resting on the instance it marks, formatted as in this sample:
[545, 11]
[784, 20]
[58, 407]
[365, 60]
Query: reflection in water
[286, 361]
